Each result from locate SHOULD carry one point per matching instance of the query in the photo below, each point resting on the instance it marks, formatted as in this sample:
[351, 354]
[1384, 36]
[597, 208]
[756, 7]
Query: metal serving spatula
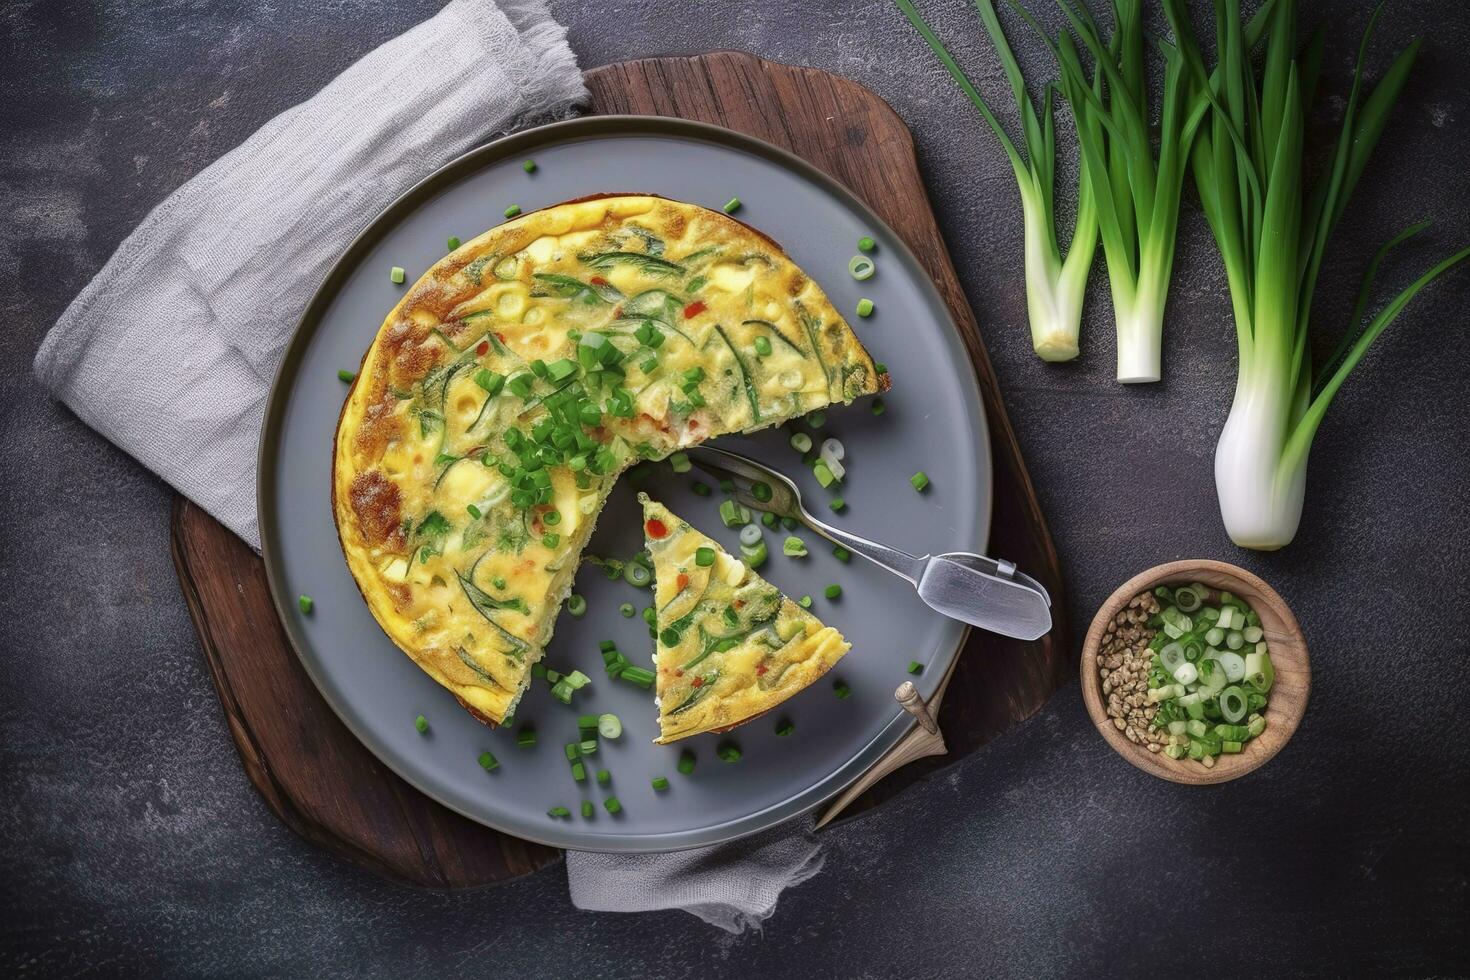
[981, 591]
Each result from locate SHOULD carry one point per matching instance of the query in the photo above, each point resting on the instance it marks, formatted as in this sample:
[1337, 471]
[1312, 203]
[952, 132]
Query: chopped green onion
[649, 616]
[421, 724]
[919, 481]
[805, 602]
[396, 274]
[488, 762]
[526, 737]
[878, 406]
[763, 346]
[627, 610]
[733, 514]
[579, 772]
[915, 667]
[837, 504]
[637, 675]
[728, 752]
[659, 783]
[550, 540]
[801, 442]
[572, 751]
[305, 604]
[700, 488]
[815, 420]
[865, 308]
[754, 555]
[612, 805]
[768, 519]
[588, 809]
[680, 462]
[842, 691]
[832, 591]
[861, 267]
[608, 726]
[558, 811]
[513, 210]
[794, 547]
[576, 605]
[346, 376]
[841, 553]
[529, 166]
[686, 762]
[732, 205]
[704, 557]
[453, 243]
[866, 244]
[761, 491]
[603, 778]
[784, 728]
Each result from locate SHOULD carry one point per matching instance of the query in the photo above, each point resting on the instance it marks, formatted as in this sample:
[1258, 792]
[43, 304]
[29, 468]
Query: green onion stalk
[1055, 286]
[1247, 161]
[1136, 189]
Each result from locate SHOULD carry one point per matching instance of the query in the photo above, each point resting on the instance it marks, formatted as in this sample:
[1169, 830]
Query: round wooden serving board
[327, 787]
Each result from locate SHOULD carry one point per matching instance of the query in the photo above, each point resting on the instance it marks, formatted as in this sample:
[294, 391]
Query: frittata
[520, 375]
[730, 645]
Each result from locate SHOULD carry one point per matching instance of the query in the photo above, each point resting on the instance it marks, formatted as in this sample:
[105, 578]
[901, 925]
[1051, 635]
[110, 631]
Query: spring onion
[919, 481]
[396, 275]
[603, 777]
[841, 553]
[526, 737]
[558, 812]
[801, 442]
[612, 805]
[609, 726]
[793, 547]
[637, 575]
[1249, 162]
[734, 514]
[700, 488]
[750, 534]
[878, 406]
[754, 556]
[915, 667]
[686, 762]
[866, 244]
[529, 166]
[305, 603]
[728, 752]
[837, 504]
[1055, 286]
[637, 675]
[832, 591]
[488, 762]
[865, 308]
[513, 210]
[861, 267]
[1135, 190]
[659, 783]
[346, 377]
[627, 610]
[841, 689]
[576, 605]
[421, 724]
[732, 205]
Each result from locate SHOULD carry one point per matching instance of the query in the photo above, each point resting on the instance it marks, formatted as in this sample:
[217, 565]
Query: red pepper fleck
[679, 673]
[482, 348]
[500, 336]
[760, 669]
[697, 682]
[598, 281]
[655, 528]
[694, 309]
[738, 603]
[682, 582]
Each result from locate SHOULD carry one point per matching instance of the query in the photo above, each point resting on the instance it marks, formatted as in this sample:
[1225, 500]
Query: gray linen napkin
[170, 351]
[734, 886]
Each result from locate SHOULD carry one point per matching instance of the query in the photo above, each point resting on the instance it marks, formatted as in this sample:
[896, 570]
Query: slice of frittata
[730, 645]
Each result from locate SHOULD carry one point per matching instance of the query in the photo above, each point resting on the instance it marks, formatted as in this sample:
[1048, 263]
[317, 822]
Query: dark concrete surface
[131, 843]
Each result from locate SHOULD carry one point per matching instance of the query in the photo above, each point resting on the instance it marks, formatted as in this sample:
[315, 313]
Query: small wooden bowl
[1288, 696]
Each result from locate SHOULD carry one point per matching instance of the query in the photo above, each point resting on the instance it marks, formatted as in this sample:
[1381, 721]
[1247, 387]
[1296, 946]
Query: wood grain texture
[331, 790]
[1288, 696]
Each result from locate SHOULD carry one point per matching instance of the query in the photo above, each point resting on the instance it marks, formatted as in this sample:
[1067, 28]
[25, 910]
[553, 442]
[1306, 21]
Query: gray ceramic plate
[934, 422]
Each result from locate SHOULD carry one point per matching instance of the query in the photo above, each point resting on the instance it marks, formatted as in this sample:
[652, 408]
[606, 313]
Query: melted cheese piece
[466, 582]
[730, 645]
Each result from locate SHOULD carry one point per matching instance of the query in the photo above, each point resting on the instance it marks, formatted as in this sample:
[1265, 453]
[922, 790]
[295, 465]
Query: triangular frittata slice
[730, 645]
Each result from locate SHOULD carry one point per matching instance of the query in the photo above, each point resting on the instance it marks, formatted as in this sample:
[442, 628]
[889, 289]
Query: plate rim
[474, 160]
